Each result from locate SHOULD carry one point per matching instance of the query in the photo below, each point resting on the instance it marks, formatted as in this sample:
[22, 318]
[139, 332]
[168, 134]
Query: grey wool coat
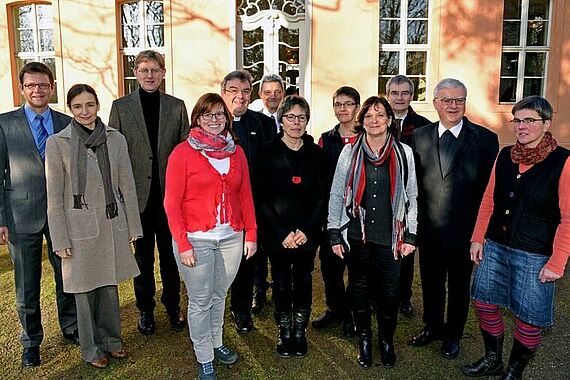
[100, 249]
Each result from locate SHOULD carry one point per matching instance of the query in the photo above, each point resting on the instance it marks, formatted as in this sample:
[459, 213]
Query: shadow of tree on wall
[182, 14]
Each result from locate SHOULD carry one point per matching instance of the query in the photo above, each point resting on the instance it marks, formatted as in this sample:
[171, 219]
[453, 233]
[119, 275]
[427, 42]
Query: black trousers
[155, 229]
[373, 274]
[261, 270]
[406, 278]
[332, 270]
[242, 287]
[439, 266]
[291, 271]
[26, 253]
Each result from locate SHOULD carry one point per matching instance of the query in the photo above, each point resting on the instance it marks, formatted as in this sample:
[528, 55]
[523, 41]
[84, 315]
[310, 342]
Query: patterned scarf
[213, 145]
[520, 154]
[356, 182]
[81, 141]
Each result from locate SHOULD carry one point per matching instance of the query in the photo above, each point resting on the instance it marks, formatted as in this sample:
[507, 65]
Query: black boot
[283, 320]
[300, 320]
[492, 363]
[386, 329]
[364, 333]
[520, 355]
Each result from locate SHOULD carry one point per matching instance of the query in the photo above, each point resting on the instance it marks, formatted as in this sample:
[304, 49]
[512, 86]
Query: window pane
[534, 64]
[130, 85]
[417, 32]
[532, 87]
[537, 33]
[511, 33]
[131, 13]
[25, 41]
[155, 35]
[420, 88]
[382, 81]
[155, 12]
[389, 32]
[416, 63]
[24, 17]
[510, 64]
[129, 65]
[389, 62]
[45, 16]
[390, 8]
[512, 9]
[538, 9]
[418, 8]
[46, 40]
[131, 36]
[508, 90]
[289, 68]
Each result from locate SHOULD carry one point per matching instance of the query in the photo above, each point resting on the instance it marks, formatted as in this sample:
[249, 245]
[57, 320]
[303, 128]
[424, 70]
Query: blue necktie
[42, 136]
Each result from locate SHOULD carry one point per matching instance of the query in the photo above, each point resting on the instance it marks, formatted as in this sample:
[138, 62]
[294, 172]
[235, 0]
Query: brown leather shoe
[118, 354]
[100, 363]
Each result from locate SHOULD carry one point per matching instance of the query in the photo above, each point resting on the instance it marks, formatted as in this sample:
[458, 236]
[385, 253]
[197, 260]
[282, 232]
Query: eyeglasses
[291, 117]
[41, 86]
[274, 93]
[344, 105]
[448, 101]
[234, 91]
[525, 121]
[400, 93]
[216, 116]
[147, 71]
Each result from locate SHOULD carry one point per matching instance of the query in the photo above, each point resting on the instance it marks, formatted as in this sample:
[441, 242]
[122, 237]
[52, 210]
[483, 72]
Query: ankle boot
[299, 346]
[283, 320]
[364, 333]
[386, 329]
[492, 363]
[520, 355]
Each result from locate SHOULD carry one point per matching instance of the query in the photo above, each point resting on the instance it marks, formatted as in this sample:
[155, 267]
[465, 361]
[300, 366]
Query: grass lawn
[169, 355]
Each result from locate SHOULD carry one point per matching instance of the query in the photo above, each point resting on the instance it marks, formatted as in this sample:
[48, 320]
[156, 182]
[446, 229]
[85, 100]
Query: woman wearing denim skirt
[209, 206]
[521, 241]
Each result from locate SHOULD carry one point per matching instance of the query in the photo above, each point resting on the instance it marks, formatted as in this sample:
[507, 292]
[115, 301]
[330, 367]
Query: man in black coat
[399, 93]
[454, 158]
[253, 130]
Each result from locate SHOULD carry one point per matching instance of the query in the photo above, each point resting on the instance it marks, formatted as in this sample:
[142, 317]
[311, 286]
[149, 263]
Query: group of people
[230, 188]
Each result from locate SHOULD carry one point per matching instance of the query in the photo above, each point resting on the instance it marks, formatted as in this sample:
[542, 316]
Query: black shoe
[146, 324]
[424, 337]
[491, 364]
[299, 346]
[242, 322]
[325, 319]
[258, 302]
[364, 358]
[520, 355]
[348, 329]
[284, 323]
[31, 357]
[73, 337]
[177, 320]
[387, 354]
[450, 348]
[406, 309]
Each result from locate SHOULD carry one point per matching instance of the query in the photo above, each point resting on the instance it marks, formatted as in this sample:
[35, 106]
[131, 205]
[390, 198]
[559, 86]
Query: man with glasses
[153, 124]
[454, 158]
[346, 103]
[23, 206]
[399, 93]
[254, 130]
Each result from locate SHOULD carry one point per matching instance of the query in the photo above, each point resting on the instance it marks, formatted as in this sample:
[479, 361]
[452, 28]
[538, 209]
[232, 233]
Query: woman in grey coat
[93, 215]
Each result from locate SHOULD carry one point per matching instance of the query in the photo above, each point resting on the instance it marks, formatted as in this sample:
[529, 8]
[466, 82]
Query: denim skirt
[508, 277]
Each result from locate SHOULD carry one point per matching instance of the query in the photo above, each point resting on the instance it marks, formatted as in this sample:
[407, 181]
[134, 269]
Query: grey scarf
[81, 141]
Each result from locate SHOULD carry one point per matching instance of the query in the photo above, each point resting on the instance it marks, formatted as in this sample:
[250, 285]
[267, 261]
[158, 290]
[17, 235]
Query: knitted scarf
[81, 141]
[356, 182]
[213, 145]
[520, 154]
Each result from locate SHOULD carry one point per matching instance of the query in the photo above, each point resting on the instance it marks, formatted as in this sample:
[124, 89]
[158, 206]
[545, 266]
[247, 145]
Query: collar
[31, 115]
[455, 130]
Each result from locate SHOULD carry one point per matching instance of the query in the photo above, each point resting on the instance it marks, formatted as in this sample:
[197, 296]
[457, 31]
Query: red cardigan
[194, 190]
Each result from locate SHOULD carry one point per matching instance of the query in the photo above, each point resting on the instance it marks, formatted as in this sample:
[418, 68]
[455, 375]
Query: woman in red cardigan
[209, 206]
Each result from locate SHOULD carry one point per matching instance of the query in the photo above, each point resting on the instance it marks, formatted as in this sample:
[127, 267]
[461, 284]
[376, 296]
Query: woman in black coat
[290, 200]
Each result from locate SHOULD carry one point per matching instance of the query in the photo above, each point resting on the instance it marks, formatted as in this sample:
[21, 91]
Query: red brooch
[296, 180]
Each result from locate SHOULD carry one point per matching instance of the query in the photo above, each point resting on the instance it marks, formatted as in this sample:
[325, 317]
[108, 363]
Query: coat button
[507, 212]
[518, 176]
[511, 194]
[373, 195]
[100, 187]
[504, 228]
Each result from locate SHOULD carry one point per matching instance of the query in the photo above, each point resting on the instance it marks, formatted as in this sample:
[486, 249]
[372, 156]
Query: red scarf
[520, 154]
[213, 145]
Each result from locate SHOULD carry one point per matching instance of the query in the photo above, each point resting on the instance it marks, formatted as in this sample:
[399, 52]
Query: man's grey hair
[448, 83]
[271, 78]
[399, 79]
[241, 75]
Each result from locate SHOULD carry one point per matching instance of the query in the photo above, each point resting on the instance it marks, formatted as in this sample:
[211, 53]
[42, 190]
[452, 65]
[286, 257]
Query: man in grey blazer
[23, 206]
[153, 124]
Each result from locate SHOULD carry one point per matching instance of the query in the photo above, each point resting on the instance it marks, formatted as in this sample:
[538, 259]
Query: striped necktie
[42, 136]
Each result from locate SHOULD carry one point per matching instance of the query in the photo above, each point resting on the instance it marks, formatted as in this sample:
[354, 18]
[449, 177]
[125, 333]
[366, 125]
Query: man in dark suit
[153, 124]
[23, 206]
[253, 130]
[399, 93]
[454, 158]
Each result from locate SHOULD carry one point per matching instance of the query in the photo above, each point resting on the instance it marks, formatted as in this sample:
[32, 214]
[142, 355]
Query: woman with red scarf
[209, 206]
[521, 241]
[373, 221]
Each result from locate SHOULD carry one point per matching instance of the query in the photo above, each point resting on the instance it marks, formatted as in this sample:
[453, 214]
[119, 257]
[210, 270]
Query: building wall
[465, 43]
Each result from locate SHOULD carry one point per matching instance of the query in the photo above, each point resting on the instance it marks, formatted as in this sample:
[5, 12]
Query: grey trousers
[99, 322]
[207, 284]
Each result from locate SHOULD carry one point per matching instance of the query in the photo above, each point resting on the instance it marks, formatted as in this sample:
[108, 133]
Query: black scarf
[81, 141]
